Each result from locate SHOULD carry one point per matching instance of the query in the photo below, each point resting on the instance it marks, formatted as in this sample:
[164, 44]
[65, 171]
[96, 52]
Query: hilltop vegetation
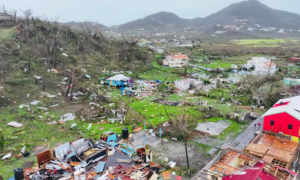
[254, 11]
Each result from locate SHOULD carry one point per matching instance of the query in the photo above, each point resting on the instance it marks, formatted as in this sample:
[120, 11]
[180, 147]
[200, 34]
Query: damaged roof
[273, 150]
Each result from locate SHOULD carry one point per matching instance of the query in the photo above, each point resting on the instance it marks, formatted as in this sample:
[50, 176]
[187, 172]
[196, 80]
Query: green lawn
[264, 42]
[219, 64]
[7, 33]
[224, 108]
[162, 73]
[227, 61]
[155, 113]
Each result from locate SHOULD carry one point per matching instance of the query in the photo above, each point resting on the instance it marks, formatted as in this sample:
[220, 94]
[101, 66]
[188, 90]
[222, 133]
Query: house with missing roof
[259, 66]
[267, 157]
[176, 60]
[276, 150]
[284, 118]
[185, 84]
[118, 80]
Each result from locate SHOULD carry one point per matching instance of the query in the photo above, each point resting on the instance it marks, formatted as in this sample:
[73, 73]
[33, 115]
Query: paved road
[201, 67]
[246, 136]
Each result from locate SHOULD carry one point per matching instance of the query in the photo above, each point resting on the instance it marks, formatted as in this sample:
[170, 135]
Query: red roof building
[284, 117]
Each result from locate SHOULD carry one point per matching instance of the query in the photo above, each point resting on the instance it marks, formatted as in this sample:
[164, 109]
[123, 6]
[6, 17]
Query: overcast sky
[115, 12]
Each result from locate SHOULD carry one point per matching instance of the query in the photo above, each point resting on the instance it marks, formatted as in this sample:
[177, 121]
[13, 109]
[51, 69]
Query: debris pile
[105, 159]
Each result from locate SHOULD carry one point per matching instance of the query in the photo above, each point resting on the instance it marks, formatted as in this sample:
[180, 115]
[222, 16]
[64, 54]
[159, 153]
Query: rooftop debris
[7, 156]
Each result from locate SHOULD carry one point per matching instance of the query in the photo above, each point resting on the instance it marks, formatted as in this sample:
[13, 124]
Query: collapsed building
[186, 84]
[106, 159]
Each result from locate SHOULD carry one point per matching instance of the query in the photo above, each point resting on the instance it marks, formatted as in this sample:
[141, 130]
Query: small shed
[118, 80]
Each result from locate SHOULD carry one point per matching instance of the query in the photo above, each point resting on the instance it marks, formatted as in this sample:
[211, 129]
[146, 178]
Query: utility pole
[187, 158]
[270, 94]
[270, 66]
[144, 139]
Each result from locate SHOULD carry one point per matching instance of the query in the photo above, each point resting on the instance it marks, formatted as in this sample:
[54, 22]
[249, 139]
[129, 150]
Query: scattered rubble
[15, 124]
[7, 156]
[104, 159]
[67, 117]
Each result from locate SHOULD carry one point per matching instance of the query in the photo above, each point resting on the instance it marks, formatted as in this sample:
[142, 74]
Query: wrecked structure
[274, 150]
[235, 165]
[186, 84]
[267, 157]
[105, 159]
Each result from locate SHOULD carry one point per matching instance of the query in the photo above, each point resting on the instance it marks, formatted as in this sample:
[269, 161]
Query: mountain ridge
[252, 10]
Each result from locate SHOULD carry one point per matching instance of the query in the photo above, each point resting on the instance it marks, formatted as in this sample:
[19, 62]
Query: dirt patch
[174, 149]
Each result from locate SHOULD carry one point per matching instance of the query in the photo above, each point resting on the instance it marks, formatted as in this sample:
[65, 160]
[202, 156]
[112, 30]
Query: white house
[177, 60]
[281, 31]
[260, 66]
[186, 84]
[160, 51]
[251, 29]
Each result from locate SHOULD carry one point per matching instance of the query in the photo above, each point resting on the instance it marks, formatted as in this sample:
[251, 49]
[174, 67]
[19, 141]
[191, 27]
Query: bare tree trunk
[29, 64]
[270, 67]
[54, 62]
[270, 95]
[71, 97]
[70, 83]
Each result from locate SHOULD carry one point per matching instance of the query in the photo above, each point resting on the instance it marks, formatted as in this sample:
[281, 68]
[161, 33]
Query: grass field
[228, 61]
[7, 33]
[264, 42]
[219, 64]
[155, 113]
[162, 73]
